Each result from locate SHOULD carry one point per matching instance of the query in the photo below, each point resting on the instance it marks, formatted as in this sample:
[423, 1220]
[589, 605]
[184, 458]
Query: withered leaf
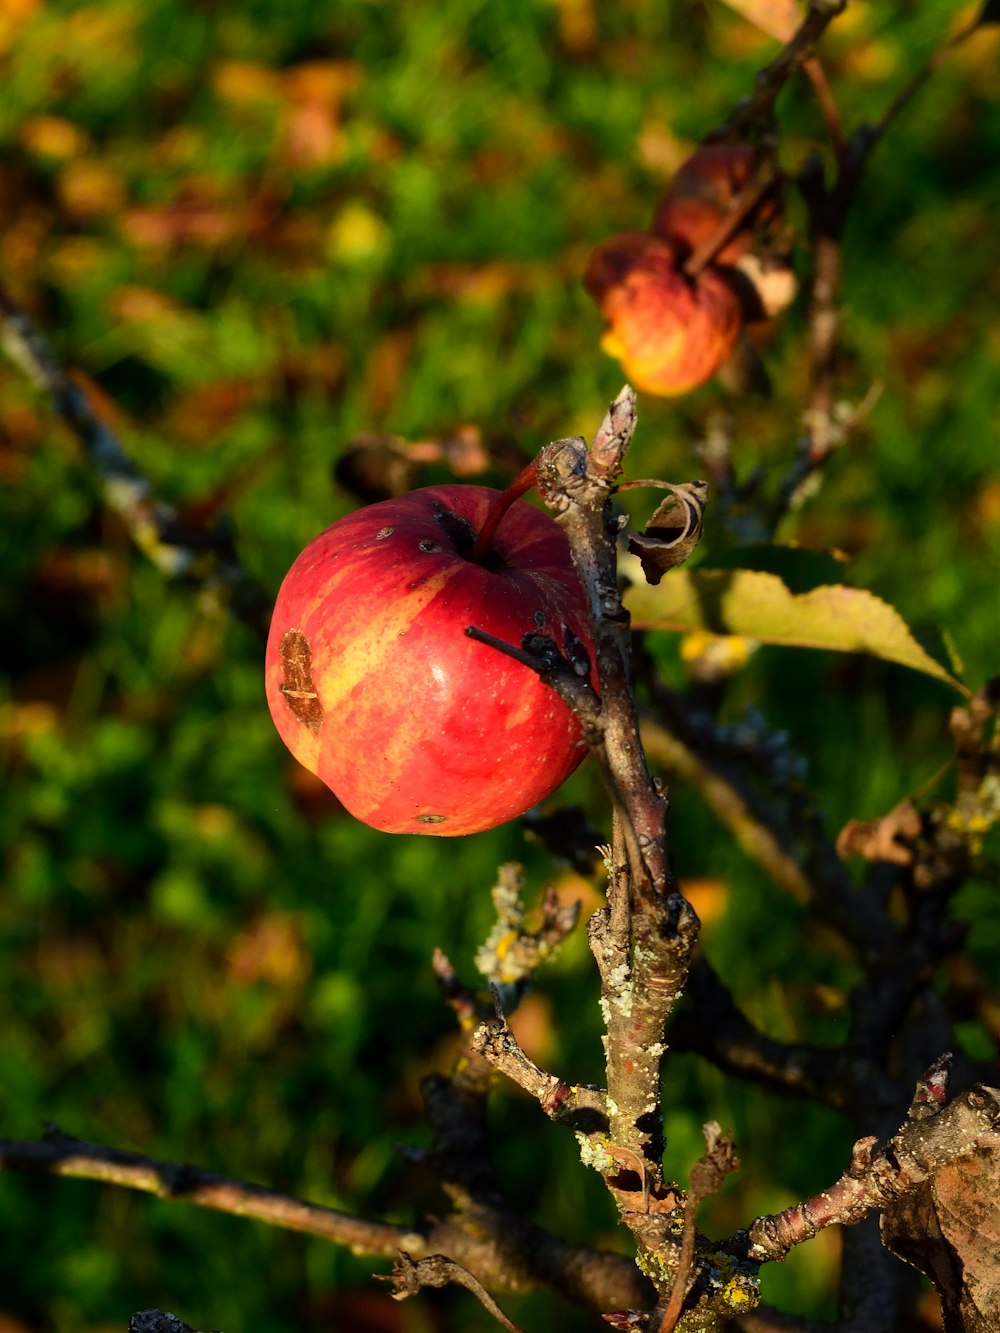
[949, 1228]
[886, 839]
[297, 684]
[708, 1173]
[778, 18]
[673, 532]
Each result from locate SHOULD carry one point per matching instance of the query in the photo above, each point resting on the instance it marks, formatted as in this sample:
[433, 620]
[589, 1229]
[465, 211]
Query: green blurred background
[256, 231]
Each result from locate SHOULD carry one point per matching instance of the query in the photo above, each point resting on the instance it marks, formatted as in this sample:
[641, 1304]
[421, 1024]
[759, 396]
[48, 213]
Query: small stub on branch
[673, 532]
[297, 686]
[157, 1321]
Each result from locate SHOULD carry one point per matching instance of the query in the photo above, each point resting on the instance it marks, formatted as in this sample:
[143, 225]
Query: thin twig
[816, 75]
[176, 549]
[685, 1263]
[742, 206]
[756, 109]
[871, 134]
[59, 1154]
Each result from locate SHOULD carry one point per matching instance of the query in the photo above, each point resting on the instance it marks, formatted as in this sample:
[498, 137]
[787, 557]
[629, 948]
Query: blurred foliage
[255, 231]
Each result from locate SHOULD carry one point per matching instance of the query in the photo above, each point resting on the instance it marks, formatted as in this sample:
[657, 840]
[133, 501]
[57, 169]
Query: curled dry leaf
[719, 1161]
[673, 532]
[650, 1196]
[885, 839]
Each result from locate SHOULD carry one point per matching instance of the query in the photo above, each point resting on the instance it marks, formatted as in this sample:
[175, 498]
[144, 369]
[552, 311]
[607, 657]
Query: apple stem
[524, 481]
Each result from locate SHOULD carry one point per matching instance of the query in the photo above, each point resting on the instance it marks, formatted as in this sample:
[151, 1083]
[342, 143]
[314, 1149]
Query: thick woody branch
[157, 1321]
[718, 1029]
[932, 1136]
[576, 484]
[503, 1250]
[643, 940]
[748, 787]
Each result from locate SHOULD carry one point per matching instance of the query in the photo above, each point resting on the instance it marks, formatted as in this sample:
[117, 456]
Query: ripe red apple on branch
[375, 687]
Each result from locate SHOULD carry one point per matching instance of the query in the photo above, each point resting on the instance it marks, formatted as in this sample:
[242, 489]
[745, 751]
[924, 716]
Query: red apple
[700, 195]
[375, 687]
[670, 332]
[756, 260]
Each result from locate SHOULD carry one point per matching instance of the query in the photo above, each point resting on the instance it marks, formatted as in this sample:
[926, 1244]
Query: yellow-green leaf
[759, 606]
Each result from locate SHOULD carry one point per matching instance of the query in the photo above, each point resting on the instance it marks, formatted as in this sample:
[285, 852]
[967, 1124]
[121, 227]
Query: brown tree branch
[718, 1029]
[502, 1250]
[178, 550]
[59, 1154]
[580, 1106]
[157, 1321]
[828, 208]
[756, 109]
[932, 1136]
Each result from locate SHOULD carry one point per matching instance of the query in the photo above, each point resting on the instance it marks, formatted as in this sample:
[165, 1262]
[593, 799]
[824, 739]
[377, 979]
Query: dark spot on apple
[576, 653]
[457, 530]
[297, 688]
[382, 533]
[431, 819]
[430, 547]
[539, 619]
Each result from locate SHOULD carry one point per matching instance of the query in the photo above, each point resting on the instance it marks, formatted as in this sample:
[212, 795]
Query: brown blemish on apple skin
[297, 688]
[431, 819]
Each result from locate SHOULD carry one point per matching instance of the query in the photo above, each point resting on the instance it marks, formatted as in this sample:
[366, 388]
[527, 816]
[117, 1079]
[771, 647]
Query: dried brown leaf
[883, 839]
[950, 1229]
[720, 1161]
[778, 18]
[673, 532]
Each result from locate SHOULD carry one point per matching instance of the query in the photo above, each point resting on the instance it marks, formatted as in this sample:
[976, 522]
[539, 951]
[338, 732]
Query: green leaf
[758, 605]
[799, 569]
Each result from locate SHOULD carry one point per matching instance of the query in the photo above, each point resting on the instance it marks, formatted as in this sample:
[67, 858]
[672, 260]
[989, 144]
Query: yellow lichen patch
[741, 1293]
